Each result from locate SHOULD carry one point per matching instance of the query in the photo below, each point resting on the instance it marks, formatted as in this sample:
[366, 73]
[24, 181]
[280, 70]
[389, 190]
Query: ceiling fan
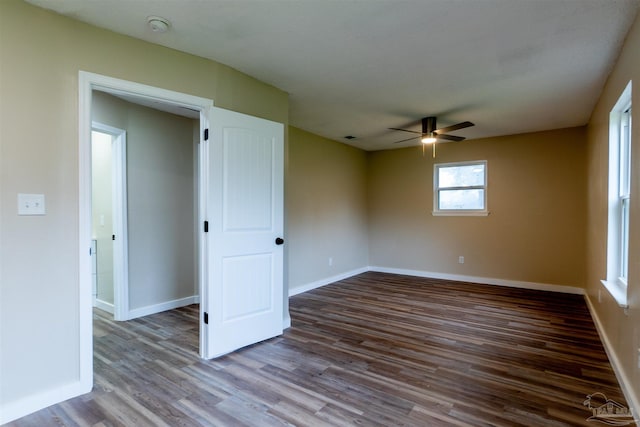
[431, 134]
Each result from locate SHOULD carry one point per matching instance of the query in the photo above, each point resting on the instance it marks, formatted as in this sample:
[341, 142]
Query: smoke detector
[158, 24]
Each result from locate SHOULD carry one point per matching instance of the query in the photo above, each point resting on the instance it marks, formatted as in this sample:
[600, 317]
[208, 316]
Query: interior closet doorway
[109, 213]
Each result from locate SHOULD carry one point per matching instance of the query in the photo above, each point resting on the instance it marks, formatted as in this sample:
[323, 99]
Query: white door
[244, 246]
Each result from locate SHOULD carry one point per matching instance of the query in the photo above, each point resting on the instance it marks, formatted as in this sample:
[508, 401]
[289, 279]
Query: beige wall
[40, 56]
[536, 197]
[161, 193]
[621, 330]
[327, 209]
[161, 199]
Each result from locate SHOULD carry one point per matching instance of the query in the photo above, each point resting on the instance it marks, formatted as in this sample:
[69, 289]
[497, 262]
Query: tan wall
[327, 208]
[537, 230]
[40, 56]
[536, 198]
[621, 330]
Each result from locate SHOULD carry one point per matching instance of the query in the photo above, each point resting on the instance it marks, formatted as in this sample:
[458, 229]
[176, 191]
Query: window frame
[624, 191]
[619, 197]
[437, 189]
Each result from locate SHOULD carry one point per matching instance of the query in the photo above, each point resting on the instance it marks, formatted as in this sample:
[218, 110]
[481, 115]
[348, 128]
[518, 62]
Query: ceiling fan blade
[406, 130]
[454, 127]
[444, 138]
[408, 139]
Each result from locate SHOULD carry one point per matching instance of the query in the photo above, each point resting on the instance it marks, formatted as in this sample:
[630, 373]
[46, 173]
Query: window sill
[617, 291]
[460, 213]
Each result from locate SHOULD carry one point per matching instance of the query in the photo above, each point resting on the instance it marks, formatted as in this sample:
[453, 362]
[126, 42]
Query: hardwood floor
[375, 349]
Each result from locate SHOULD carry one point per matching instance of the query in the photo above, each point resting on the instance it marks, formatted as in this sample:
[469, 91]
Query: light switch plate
[31, 204]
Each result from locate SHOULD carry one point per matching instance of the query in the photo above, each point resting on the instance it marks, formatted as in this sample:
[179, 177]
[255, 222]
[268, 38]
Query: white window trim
[618, 291]
[460, 212]
[614, 284]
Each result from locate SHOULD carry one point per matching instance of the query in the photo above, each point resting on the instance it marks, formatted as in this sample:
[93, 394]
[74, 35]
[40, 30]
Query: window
[619, 197]
[623, 194]
[460, 188]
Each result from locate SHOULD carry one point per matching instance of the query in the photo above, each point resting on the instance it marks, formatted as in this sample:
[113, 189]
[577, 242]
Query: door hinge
[206, 226]
[113, 237]
[206, 134]
[206, 318]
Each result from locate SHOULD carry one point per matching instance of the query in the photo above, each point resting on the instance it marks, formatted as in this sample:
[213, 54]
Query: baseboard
[103, 305]
[432, 275]
[158, 308]
[286, 321]
[326, 281]
[633, 400]
[34, 402]
[482, 280]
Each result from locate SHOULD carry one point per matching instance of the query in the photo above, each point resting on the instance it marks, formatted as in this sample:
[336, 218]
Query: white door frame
[119, 217]
[88, 82]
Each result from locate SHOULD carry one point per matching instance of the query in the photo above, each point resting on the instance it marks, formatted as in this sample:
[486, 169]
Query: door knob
[279, 241]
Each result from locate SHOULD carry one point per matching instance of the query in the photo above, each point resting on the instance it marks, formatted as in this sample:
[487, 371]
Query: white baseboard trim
[164, 306]
[286, 321]
[103, 305]
[432, 275]
[482, 280]
[319, 283]
[625, 383]
[34, 402]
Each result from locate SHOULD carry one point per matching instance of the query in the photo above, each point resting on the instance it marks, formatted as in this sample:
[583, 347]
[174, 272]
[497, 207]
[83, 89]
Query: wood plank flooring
[373, 350]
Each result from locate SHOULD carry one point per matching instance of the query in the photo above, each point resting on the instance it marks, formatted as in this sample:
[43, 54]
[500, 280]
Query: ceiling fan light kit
[429, 138]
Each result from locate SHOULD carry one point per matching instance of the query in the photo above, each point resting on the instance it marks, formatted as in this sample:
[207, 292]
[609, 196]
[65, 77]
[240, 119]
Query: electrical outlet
[461, 260]
[330, 261]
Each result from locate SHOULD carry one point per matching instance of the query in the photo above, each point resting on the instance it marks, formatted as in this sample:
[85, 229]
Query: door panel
[248, 185]
[252, 294]
[245, 211]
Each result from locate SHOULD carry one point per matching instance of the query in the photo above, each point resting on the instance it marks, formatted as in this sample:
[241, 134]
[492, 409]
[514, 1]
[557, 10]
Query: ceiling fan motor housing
[428, 125]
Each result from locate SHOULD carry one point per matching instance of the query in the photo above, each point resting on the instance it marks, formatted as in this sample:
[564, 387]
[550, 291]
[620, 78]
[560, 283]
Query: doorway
[154, 193]
[102, 224]
[142, 95]
[239, 197]
[109, 219]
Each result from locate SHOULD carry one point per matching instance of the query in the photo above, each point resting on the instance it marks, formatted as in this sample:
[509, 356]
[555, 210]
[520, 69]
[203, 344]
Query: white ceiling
[359, 67]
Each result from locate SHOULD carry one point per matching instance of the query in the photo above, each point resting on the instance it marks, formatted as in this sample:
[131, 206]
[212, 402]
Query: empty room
[319, 213]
